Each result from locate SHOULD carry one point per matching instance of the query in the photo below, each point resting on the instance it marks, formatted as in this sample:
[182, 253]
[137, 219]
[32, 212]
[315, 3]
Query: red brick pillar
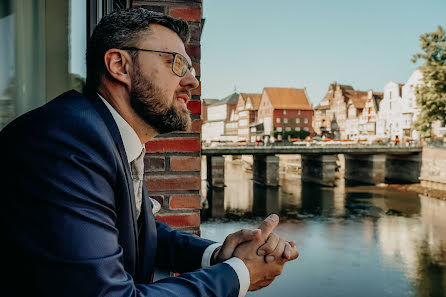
[173, 161]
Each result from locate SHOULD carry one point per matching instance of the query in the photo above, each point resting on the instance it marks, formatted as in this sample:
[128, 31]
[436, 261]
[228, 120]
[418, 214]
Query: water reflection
[353, 240]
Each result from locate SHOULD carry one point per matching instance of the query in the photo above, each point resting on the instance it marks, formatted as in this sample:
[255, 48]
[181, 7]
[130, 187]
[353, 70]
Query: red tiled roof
[288, 98]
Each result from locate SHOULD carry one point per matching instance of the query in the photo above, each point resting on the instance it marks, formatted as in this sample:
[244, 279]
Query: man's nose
[189, 81]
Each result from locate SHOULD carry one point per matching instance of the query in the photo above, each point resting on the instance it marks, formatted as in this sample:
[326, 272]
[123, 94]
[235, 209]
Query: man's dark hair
[124, 28]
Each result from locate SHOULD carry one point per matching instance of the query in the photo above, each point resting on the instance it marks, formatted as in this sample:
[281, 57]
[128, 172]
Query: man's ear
[118, 63]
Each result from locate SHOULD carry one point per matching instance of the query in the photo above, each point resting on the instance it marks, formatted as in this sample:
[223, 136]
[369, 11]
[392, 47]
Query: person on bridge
[76, 218]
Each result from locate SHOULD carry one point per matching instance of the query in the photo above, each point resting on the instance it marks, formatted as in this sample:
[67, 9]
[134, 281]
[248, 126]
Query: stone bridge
[368, 164]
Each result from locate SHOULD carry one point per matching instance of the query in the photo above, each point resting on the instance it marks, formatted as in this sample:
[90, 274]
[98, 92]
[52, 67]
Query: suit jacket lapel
[114, 131]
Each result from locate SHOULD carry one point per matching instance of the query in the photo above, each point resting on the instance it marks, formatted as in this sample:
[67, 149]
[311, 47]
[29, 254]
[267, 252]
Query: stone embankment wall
[433, 168]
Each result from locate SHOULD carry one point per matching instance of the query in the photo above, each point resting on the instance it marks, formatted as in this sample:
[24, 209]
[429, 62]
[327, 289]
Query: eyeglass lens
[180, 66]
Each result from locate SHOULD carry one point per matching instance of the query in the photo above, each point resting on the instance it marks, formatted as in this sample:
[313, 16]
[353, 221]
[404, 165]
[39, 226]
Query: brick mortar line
[169, 3]
[174, 173]
[174, 154]
[177, 135]
[176, 211]
[173, 192]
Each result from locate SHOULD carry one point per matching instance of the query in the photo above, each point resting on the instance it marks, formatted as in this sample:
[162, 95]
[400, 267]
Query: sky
[247, 45]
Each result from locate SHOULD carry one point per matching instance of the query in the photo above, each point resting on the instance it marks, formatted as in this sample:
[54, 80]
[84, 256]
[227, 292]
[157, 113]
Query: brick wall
[173, 161]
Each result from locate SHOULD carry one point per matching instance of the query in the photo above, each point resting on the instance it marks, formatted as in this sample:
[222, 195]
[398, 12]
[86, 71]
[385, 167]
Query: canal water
[353, 240]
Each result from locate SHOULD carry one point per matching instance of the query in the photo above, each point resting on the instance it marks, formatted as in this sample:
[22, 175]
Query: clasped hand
[263, 252]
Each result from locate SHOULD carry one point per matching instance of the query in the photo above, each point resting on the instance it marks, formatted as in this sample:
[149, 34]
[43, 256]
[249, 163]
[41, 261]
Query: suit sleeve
[59, 215]
[179, 251]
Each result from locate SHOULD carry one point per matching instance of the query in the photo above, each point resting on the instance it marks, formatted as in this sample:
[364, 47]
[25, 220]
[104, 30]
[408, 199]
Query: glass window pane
[22, 58]
[7, 65]
[42, 52]
[77, 44]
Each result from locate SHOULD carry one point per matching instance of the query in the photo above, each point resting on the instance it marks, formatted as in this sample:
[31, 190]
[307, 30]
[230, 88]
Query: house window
[297, 128]
[285, 120]
[297, 121]
[278, 120]
[287, 129]
[284, 111]
[305, 121]
[298, 113]
[279, 129]
[306, 129]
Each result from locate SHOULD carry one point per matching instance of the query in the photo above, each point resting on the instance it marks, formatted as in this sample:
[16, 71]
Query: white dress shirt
[133, 149]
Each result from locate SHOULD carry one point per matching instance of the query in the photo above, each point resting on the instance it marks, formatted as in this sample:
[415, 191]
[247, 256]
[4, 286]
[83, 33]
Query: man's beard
[149, 103]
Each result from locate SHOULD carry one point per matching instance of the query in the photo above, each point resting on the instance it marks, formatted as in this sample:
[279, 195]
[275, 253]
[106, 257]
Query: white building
[389, 124]
[399, 111]
[409, 108]
[355, 107]
[221, 124]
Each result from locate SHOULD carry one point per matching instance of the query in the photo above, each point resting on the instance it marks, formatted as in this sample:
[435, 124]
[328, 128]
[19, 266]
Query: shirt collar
[130, 139]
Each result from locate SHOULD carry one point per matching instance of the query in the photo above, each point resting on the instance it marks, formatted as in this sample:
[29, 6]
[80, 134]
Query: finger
[277, 252]
[294, 254]
[287, 251]
[234, 239]
[268, 225]
[269, 245]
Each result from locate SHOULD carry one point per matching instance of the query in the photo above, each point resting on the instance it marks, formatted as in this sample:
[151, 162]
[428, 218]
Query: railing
[310, 144]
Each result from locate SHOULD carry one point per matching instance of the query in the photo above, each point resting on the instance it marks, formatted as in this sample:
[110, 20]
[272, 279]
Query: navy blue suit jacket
[68, 217]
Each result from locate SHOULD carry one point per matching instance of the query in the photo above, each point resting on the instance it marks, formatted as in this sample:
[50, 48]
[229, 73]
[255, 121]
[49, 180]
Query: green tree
[431, 94]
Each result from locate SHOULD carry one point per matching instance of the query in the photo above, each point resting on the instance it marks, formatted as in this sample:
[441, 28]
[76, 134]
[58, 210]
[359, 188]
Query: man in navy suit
[76, 218]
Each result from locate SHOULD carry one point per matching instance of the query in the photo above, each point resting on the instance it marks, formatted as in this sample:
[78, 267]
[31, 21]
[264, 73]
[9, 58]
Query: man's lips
[184, 98]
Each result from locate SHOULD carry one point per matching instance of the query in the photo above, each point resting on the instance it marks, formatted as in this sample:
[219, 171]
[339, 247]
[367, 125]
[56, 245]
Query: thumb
[233, 240]
[268, 225]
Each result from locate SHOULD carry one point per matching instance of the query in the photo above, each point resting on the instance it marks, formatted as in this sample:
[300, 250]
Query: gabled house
[285, 109]
[399, 110]
[339, 111]
[355, 106]
[390, 112]
[331, 113]
[369, 116]
[204, 108]
[321, 118]
[410, 108]
[221, 123]
[247, 109]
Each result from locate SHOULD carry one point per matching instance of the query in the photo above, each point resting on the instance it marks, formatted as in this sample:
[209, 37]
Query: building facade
[339, 112]
[369, 116]
[390, 116]
[285, 109]
[222, 121]
[410, 109]
[247, 111]
[355, 107]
